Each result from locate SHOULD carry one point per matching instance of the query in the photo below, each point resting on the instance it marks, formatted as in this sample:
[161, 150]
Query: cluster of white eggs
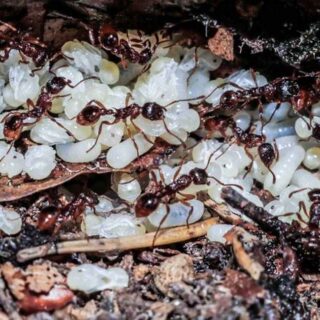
[177, 78]
[92, 77]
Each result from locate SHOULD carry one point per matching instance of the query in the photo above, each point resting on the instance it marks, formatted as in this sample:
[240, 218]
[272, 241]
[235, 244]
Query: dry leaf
[221, 44]
[41, 278]
[15, 279]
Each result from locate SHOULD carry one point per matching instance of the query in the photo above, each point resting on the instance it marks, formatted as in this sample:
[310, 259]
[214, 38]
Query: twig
[164, 237]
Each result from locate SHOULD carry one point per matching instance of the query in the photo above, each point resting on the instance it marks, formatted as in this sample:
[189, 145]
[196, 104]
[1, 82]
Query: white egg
[122, 154]
[83, 151]
[39, 161]
[91, 278]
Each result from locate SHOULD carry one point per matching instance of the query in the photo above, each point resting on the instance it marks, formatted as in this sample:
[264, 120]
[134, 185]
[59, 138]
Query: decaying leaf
[174, 269]
[19, 187]
[221, 44]
[15, 280]
[41, 278]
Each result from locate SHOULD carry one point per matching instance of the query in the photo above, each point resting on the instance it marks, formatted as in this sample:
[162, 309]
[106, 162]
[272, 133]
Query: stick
[164, 237]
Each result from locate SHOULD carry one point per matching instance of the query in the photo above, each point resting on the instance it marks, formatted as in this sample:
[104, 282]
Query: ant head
[56, 84]
[146, 204]
[199, 176]
[108, 37]
[152, 111]
[89, 115]
[266, 153]
[145, 56]
[229, 99]
[314, 195]
[13, 127]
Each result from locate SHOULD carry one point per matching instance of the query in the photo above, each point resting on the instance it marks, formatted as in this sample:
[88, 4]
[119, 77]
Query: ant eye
[145, 55]
[109, 40]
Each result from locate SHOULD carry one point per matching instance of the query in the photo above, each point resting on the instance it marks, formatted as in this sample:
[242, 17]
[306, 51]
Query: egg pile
[178, 79]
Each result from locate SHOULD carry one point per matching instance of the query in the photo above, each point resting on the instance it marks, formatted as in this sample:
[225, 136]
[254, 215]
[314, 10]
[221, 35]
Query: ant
[301, 92]
[314, 211]
[53, 214]
[133, 47]
[149, 202]
[15, 121]
[26, 45]
[152, 111]
[266, 151]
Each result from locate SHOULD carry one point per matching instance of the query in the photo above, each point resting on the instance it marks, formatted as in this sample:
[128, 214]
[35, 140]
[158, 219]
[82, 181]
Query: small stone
[178, 268]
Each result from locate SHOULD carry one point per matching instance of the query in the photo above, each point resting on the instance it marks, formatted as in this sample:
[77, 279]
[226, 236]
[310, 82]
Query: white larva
[217, 232]
[122, 154]
[303, 128]
[91, 278]
[285, 167]
[312, 158]
[128, 188]
[242, 120]
[305, 179]
[82, 151]
[109, 72]
[179, 214]
[39, 161]
[10, 221]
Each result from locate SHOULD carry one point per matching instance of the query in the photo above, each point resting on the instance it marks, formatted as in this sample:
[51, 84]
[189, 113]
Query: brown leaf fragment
[221, 44]
[41, 278]
[175, 269]
[20, 187]
[242, 285]
[245, 259]
[87, 312]
[14, 279]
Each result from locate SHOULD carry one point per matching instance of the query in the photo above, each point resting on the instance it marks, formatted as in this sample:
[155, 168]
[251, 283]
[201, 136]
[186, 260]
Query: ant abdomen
[146, 204]
[90, 115]
[152, 111]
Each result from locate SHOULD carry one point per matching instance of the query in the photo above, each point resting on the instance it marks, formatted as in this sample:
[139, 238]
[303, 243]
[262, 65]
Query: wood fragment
[17, 187]
[164, 237]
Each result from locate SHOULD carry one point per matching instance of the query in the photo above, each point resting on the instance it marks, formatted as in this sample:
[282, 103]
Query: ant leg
[8, 151]
[140, 130]
[83, 80]
[104, 122]
[176, 174]
[61, 126]
[132, 138]
[173, 135]
[226, 184]
[251, 163]
[297, 191]
[196, 60]
[161, 223]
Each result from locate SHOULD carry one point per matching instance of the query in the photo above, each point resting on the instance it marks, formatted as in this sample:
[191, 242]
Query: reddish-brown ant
[301, 92]
[266, 151]
[148, 202]
[15, 121]
[150, 110]
[135, 48]
[26, 45]
[53, 214]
